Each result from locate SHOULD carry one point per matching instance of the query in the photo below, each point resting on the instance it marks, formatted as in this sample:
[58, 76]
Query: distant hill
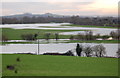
[35, 15]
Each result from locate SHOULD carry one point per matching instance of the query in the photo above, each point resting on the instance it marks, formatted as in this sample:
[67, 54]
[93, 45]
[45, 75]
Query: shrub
[29, 36]
[47, 36]
[4, 38]
[71, 37]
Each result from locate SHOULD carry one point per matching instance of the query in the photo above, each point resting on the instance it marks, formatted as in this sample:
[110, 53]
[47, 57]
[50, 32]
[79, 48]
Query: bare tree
[56, 36]
[99, 50]
[88, 51]
[118, 53]
[89, 35]
[47, 36]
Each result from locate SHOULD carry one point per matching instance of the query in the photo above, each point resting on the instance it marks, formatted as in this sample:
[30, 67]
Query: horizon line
[59, 14]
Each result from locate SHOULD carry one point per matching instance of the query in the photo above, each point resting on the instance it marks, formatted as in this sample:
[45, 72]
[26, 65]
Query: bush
[47, 36]
[29, 36]
[87, 36]
[71, 37]
[4, 38]
[115, 34]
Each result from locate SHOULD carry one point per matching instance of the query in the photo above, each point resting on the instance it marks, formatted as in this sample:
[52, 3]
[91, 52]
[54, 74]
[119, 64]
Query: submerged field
[41, 65]
[15, 34]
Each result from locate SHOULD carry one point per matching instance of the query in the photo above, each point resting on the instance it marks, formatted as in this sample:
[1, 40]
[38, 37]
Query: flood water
[111, 49]
[58, 26]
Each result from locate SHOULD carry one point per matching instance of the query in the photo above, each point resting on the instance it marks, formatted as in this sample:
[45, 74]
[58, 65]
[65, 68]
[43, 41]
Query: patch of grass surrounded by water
[15, 34]
[64, 41]
[92, 26]
[93, 41]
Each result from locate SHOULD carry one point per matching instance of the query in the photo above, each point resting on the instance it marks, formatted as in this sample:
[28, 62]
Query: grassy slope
[90, 26]
[15, 34]
[39, 65]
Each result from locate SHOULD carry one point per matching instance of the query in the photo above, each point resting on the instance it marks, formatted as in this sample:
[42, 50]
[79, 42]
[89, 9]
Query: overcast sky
[63, 7]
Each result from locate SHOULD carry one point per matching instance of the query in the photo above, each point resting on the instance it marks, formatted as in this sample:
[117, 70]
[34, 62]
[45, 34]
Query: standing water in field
[59, 26]
[52, 48]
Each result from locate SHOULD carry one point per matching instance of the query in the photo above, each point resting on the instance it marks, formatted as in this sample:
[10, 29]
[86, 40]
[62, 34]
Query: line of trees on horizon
[98, 21]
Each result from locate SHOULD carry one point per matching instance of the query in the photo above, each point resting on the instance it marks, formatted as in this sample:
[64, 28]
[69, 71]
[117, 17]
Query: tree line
[97, 50]
[87, 51]
[88, 35]
[78, 20]
[93, 51]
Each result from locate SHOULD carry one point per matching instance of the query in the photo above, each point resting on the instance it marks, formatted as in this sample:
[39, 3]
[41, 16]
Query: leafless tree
[47, 36]
[56, 36]
[118, 53]
[89, 35]
[99, 50]
[88, 51]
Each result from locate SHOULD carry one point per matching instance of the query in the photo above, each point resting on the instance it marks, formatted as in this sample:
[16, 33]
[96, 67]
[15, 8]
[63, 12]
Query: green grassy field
[15, 34]
[66, 41]
[0, 66]
[94, 41]
[16, 43]
[44, 65]
[52, 27]
[73, 25]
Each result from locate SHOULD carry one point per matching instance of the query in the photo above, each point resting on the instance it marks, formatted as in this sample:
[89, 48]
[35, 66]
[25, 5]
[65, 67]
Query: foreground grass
[0, 66]
[73, 25]
[41, 65]
[15, 34]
